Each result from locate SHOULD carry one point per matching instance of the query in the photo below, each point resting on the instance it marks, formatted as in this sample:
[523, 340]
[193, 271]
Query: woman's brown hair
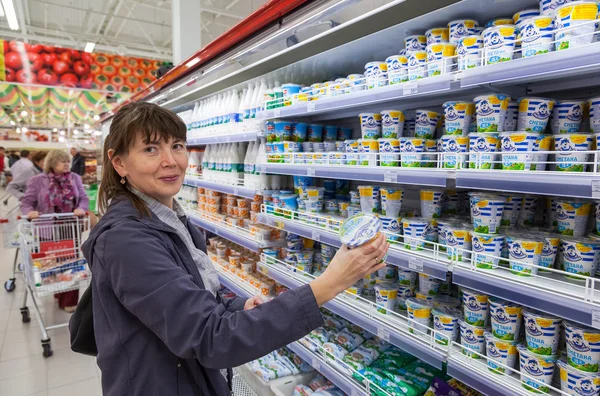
[153, 123]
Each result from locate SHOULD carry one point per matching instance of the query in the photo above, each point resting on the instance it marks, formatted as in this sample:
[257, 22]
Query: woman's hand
[79, 212]
[34, 214]
[348, 267]
[252, 302]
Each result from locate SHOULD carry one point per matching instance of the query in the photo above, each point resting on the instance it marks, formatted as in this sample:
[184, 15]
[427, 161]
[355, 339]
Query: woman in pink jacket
[56, 190]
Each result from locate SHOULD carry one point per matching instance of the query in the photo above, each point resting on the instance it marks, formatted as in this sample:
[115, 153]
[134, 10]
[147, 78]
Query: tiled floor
[23, 369]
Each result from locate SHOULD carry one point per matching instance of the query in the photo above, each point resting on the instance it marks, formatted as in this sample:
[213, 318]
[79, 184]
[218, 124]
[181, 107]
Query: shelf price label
[279, 224]
[595, 188]
[390, 177]
[316, 236]
[596, 318]
[383, 333]
[310, 107]
[410, 88]
[415, 264]
[310, 172]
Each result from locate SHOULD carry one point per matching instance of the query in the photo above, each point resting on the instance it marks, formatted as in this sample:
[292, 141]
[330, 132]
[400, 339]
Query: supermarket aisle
[23, 369]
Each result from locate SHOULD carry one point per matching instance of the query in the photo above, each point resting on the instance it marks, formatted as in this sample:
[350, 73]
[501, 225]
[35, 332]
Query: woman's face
[155, 168]
[61, 166]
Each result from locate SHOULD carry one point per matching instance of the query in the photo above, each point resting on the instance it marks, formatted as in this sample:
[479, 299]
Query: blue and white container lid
[359, 229]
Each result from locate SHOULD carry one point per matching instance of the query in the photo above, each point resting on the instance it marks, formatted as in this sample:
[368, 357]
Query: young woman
[161, 327]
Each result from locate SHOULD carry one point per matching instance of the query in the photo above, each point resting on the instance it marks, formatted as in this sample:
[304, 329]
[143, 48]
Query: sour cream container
[445, 324]
[536, 36]
[542, 332]
[575, 25]
[486, 212]
[499, 43]
[359, 230]
[472, 339]
[567, 157]
[419, 315]
[572, 216]
[506, 319]
[538, 367]
[567, 116]
[577, 382]
[500, 353]
[484, 148]
[583, 347]
[461, 28]
[491, 111]
[469, 52]
[579, 256]
[475, 307]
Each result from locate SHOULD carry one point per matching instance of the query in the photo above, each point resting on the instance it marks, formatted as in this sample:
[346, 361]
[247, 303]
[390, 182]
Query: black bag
[81, 326]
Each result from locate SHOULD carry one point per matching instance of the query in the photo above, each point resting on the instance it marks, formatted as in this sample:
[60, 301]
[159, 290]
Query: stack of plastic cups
[391, 205]
[473, 323]
[502, 340]
[499, 43]
[370, 201]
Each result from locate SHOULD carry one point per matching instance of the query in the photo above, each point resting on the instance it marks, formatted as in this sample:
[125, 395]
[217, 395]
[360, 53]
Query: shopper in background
[78, 163]
[33, 167]
[12, 158]
[21, 164]
[56, 190]
[155, 291]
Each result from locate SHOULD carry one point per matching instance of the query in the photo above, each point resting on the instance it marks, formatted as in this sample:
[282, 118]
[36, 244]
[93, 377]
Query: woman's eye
[150, 150]
[178, 146]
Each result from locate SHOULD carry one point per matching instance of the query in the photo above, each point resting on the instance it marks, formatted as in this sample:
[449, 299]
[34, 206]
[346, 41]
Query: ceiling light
[96, 117]
[75, 132]
[55, 129]
[89, 47]
[18, 130]
[86, 141]
[12, 122]
[62, 133]
[61, 139]
[11, 15]
[62, 112]
[24, 113]
[86, 126]
[24, 129]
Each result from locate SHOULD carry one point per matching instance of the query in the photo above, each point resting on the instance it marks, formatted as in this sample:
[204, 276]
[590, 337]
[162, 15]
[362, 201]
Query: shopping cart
[10, 237]
[53, 262]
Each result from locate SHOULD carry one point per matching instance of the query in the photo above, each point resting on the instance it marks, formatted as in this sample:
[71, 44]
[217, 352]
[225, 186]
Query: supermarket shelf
[364, 315]
[342, 381]
[229, 138]
[569, 184]
[568, 300]
[234, 284]
[401, 258]
[224, 188]
[416, 176]
[223, 231]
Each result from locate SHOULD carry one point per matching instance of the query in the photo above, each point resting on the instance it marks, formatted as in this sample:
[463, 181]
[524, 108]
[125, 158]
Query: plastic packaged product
[583, 347]
[415, 43]
[370, 199]
[426, 123]
[376, 344]
[491, 111]
[574, 24]
[315, 133]
[542, 332]
[431, 203]
[536, 36]
[397, 66]
[458, 242]
[572, 216]
[392, 124]
[484, 148]
[417, 62]
[370, 124]
[534, 114]
[414, 230]
[486, 212]
[440, 58]
[475, 307]
[538, 367]
[517, 150]
[567, 116]
[376, 74]
[351, 149]
[283, 131]
[406, 277]
[567, 157]
[437, 35]
[455, 151]
[469, 52]
[577, 382]
[368, 149]
[528, 211]
[579, 256]
[429, 285]
[500, 353]
[499, 22]
[348, 339]
[512, 116]
[457, 117]
[344, 134]
[524, 253]
[359, 229]
[385, 297]
[445, 323]
[548, 7]
[549, 251]
[506, 318]
[333, 322]
[411, 150]
[472, 339]
[392, 226]
[419, 315]
[391, 201]
[486, 249]
[302, 390]
[523, 15]
[461, 28]
[429, 159]
[334, 351]
[499, 43]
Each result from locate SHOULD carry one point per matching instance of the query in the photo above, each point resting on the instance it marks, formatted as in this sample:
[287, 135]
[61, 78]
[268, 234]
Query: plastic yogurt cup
[577, 382]
[499, 43]
[417, 65]
[426, 123]
[486, 212]
[536, 36]
[461, 28]
[512, 116]
[491, 112]
[542, 332]
[370, 199]
[484, 148]
[376, 74]
[283, 131]
[472, 338]
[506, 318]
[431, 203]
[524, 253]
[370, 125]
[415, 43]
[457, 117]
[548, 7]
[567, 116]
[385, 297]
[359, 229]
[419, 315]
[594, 106]
[455, 151]
[538, 367]
[528, 210]
[397, 66]
[404, 292]
[458, 242]
[534, 114]
[344, 134]
[429, 285]
[440, 58]
[572, 216]
[500, 353]
[392, 124]
[517, 150]
[393, 226]
[475, 307]
[445, 324]
[566, 147]
[368, 149]
[579, 256]
[391, 201]
[521, 16]
[437, 35]
[549, 251]
[487, 249]
[574, 24]
[414, 229]
[583, 347]
[351, 149]
[389, 150]
[441, 234]
[315, 193]
[411, 150]
[429, 159]
[540, 159]
[469, 52]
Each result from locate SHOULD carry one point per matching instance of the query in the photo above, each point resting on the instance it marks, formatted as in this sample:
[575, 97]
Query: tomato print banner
[55, 66]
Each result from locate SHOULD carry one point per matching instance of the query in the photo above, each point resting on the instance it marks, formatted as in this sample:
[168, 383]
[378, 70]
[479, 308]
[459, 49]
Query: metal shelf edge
[234, 287]
[483, 384]
[230, 138]
[224, 188]
[222, 232]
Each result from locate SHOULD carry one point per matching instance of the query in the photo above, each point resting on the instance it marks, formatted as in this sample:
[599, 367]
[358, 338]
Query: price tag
[415, 264]
[310, 107]
[264, 270]
[596, 318]
[383, 333]
[595, 188]
[276, 112]
[316, 364]
[390, 177]
[310, 172]
[410, 88]
[279, 224]
[236, 191]
[316, 236]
